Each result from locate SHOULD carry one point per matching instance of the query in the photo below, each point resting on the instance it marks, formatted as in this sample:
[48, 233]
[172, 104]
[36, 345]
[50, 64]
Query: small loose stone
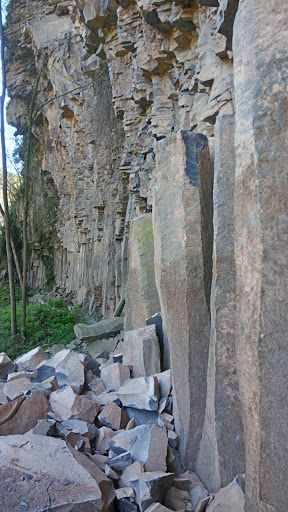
[65, 481]
[23, 505]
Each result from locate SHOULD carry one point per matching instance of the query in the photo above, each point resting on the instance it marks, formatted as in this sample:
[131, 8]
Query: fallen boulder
[113, 416]
[15, 388]
[67, 368]
[8, 410]
[229, 498]
[102, 329]
[141, 393]
[30, 361]
[68, 406]
[114, 375]
[146, 443]
[157, 507]
[142, 351]
[103, 439]
[47, 474]
[26, 412]
[150, 487]
[6, 365]
[135, 469]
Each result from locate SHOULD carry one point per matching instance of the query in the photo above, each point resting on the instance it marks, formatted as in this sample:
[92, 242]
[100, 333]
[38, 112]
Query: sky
[9, 130]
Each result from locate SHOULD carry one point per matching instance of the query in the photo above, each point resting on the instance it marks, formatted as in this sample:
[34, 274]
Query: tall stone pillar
[141, 295]
[260, 45]
[221, 454]
[182, 269]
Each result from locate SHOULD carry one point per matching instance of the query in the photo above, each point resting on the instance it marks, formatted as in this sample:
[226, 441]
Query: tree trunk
[5, 196]
[14, 250]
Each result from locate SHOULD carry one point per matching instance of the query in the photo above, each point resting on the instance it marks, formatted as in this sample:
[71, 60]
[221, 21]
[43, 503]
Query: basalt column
[261, 219]
[141, 298]
[221, 454]
[182, 240]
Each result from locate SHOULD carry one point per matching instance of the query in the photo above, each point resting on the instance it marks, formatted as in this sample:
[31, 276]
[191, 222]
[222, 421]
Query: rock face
[261, 239]
[180, 278]
[128, 101]
[221, 453]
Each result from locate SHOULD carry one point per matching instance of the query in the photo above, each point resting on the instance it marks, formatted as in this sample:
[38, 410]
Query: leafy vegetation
[47, 324]
[16, 233]
[9, 9]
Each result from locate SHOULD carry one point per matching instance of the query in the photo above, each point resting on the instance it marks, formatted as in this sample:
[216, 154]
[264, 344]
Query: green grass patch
[47, 325]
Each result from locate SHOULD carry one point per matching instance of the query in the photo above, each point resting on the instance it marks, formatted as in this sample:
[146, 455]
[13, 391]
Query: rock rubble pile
[80, 433]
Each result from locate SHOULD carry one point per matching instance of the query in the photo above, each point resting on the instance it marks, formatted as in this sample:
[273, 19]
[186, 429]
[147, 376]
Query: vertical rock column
[181, 160]
[141, 298]
[260, 44]
[221, 454]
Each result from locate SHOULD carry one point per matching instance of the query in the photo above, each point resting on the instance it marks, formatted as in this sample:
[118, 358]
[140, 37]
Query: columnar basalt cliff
[160, 145]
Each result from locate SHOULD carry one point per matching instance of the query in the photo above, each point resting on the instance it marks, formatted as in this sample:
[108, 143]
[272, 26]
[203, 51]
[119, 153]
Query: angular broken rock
[111, 473]
[146, 443]
[90, 364]
[114, 375]
[26, 414]
[157, 507]
[102, 329]
[113, 416]
[3, 398]
[96, 385]
[15, 388]
[105, 398]
[104, 436]
[228, 498]
[31, 360]
[150, 487]
[135, 469]
[81, 427]
[121, 462]
[45, 428]
[100, 460]
[78, 442]
[165, 383]
[198, 493]
[49, 460]
[141, 393]
[68, 406]
[67, 368]
[100, 348]
[105, 485]
[174, 464]
[124, 492]
[142, 417]
[176, 499]
[125, 499]
[142, 351]
[173, 439]
[19, 375]
[6, 365]
[8, 410]
[167, 420]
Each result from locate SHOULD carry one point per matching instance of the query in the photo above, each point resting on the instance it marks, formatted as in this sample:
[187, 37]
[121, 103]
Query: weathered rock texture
[159, 68]
[223, 423]
[127, 105]
[261, 245]
[179, 270]
[142, 299]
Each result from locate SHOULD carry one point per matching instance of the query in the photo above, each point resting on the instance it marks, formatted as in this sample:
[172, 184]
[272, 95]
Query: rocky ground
[90, 428]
